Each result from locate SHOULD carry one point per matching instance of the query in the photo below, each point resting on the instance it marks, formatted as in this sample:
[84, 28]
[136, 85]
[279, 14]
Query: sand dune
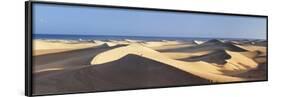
[239, 63]
[109, 43]
[128, 64]
[190, 67]
[256, 52]
[132, 41]
[217, 57]
[97, 41]
[231, 62]
[67, 59]
[207, 46]
[251, 54]
[254, 42]
[153, 44]
[217, 44]
[168, 47]
[42, 47]
[170, 42]
[180, 55]
[46, 45]
[160, 43]
[253, 48]
[140, 73]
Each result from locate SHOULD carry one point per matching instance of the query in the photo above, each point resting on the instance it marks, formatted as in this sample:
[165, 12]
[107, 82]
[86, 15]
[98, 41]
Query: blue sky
[61, 19]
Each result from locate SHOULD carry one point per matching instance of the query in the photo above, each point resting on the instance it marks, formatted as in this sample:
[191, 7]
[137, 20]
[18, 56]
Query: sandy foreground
[82, 66]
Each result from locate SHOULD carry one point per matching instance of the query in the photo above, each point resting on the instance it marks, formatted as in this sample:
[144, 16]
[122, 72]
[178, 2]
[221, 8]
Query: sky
[77, 20]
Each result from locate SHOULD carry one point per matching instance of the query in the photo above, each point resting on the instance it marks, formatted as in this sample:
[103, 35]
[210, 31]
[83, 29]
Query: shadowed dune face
[255, 74]
[218, 57]
[140, 73]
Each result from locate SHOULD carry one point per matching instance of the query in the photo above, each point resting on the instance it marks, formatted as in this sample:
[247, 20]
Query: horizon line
[152, 36]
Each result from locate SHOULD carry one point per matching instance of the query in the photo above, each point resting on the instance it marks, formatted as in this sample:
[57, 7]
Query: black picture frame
[29, 31]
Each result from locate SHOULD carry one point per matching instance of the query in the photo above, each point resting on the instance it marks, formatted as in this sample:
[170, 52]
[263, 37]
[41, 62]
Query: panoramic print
[88, 49]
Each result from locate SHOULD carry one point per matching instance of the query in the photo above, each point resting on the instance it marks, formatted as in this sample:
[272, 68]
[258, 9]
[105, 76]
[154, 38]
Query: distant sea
[107, 37]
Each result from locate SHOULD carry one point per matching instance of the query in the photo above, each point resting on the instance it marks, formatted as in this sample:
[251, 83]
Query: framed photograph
[81, 48]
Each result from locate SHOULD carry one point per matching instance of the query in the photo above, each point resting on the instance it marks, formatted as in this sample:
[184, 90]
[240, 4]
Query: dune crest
[190, 67]
[115, 54]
